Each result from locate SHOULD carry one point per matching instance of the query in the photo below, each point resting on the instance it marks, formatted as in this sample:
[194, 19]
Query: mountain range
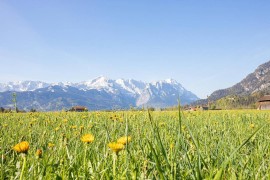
[96, 94]
[103, 93]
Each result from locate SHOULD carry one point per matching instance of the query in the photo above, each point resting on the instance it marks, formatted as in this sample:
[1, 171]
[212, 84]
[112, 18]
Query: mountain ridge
[252, 83]
[96, 94]
[243, 94]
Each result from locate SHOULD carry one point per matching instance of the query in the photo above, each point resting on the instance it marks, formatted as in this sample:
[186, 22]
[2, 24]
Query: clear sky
[205, 45]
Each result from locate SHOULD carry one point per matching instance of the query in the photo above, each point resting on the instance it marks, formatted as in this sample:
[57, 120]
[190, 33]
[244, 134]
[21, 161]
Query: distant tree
[213, 107]
[151, 109]
[33, 110]
[2, 109]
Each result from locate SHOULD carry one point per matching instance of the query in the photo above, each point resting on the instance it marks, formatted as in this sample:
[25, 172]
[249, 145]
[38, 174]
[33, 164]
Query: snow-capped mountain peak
[124, 92]
[171, 81]
[100, 82]
[22, 86]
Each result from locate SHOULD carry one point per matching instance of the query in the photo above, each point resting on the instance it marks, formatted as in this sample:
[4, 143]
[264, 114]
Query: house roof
[264, 98]
[79, 107]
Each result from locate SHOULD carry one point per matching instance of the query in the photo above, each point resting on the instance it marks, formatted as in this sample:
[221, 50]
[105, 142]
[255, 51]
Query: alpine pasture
[135, 145]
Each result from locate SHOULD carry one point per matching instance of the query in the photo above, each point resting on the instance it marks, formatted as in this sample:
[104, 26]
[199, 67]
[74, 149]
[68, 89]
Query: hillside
[257, 81]
[245, 93]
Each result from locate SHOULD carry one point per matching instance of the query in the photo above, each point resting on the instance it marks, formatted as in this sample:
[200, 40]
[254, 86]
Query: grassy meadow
[159, 145]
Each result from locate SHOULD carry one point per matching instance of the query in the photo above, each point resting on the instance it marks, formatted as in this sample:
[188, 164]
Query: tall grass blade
[160, 144]
[197, 147]
[156, 160]
[179, 116]
[225, 163]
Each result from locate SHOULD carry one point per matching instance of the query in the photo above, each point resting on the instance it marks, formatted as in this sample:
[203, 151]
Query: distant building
[264, 103]
[79, 108]
[192, 109]
[204, 108]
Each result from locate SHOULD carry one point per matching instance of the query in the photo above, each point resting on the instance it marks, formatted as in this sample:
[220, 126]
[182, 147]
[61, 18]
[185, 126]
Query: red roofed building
[79, 109]
[264, 103]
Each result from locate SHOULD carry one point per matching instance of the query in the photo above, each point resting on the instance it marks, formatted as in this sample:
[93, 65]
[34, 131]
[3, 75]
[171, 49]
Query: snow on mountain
[124, 92]
[99, 83]
[164, 93]
[130, 86]
[22, 86]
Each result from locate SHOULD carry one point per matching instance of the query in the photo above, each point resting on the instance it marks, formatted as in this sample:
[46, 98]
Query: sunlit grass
[204, 144]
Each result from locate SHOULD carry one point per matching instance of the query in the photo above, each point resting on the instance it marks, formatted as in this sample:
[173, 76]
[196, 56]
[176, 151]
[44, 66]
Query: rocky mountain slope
[257, 81]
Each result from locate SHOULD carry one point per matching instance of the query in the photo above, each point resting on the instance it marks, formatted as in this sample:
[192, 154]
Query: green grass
[164, 145]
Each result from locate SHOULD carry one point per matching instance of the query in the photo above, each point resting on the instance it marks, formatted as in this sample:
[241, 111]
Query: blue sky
[205, 45]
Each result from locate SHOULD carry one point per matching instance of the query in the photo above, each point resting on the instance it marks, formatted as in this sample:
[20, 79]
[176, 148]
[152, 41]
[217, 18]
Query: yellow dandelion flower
[124, 140]
[56, 129]
[73, 127]
[65, 120]
[116, 147]
[51, 145]
[252, 125]
[21, 147]
[39, 153]
[87, 138]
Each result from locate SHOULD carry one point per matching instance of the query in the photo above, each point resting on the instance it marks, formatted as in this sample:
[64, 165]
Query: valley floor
[156, 145]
